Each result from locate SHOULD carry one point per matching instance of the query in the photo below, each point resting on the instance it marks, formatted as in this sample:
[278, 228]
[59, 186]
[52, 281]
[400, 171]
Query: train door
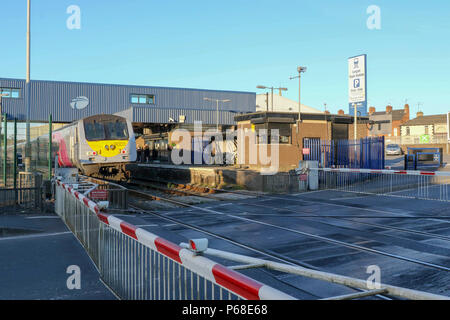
[74, 145]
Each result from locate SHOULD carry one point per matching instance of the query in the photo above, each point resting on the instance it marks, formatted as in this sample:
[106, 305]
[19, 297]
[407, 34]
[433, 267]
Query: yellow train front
[100, 145]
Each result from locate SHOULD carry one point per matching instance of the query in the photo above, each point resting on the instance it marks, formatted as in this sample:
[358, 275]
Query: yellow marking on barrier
[108, 152]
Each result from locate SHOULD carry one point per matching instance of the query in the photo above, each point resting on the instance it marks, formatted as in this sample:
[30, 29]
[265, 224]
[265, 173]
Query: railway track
[307, 234]
[250, 218]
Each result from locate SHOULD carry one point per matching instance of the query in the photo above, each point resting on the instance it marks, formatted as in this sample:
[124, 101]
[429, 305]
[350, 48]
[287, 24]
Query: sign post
[357, 84]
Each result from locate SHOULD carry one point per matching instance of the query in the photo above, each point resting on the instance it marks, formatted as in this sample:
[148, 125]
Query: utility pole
[217, 108]
[299, 70]
[28, 92]
[355, 124]
[271, 88]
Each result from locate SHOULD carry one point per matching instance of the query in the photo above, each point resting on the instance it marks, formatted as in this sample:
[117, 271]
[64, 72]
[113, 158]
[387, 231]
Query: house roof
[396, 114]
[426, 120]
[281, 104]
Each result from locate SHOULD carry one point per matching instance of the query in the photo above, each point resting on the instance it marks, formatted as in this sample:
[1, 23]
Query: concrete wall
[217, 177]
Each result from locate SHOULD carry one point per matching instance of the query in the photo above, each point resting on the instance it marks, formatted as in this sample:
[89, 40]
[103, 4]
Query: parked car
[393, 149]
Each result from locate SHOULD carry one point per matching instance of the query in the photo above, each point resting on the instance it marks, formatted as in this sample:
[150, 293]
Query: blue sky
[236, 45]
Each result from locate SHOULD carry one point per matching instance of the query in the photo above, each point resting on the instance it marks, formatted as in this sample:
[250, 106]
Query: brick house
[388, 123]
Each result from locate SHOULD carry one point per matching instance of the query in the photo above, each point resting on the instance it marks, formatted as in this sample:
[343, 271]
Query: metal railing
[24, 197]
[410, 184]
[137, 264]
[117, 195]
[418, 139]
[383, 289]
[362, 153]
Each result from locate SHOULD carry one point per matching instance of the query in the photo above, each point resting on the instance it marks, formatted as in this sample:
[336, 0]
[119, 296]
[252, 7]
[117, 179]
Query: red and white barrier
[83, 199]
[374, 171]
[233, 281]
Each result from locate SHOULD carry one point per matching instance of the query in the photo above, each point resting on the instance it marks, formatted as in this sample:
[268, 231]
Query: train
[98, 146]
[101, 145]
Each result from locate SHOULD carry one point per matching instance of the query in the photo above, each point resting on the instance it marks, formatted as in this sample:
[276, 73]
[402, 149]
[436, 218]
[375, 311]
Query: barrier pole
[5, 151]
[15, 155]
[50, 146]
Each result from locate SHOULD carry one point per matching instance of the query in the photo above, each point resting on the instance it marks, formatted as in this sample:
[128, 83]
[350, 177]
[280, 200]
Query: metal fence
[13, 148]
[115, 194]
[410, 184]
[418, 139]
[366, 153]
[137, 264]
[26, 198]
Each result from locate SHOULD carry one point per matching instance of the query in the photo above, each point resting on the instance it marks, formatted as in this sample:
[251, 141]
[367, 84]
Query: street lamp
[28, 92]
[272, 88]
[217, 110]
[299, 70]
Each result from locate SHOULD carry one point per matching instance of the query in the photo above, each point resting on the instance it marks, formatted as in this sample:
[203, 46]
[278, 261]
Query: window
[143, 99]
[408, 131]
[267, 135]
[105, 129]
[426, 130]
[10, 93]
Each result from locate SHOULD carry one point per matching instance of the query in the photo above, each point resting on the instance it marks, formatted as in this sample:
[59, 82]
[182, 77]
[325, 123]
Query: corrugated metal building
[69, 101]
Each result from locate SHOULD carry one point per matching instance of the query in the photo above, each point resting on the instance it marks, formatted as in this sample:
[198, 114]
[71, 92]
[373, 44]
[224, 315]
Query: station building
[154, 111]
[293, 134]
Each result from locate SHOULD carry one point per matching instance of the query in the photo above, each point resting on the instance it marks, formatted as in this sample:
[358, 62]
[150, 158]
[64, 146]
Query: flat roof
[294, 116]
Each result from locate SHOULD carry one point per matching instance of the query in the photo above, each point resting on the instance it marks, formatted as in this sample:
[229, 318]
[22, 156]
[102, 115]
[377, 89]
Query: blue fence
[366, 153]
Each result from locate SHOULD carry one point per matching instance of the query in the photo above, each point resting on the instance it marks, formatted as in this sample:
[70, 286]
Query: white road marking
[44, 217]
[36, 236]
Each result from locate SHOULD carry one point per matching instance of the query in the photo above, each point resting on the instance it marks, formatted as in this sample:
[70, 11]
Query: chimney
[389, 109]
[419, 114]
[406, 112]
[372, 110]
[341, 112]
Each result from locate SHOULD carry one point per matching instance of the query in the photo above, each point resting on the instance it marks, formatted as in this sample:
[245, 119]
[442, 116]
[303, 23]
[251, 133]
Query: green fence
[13, 150]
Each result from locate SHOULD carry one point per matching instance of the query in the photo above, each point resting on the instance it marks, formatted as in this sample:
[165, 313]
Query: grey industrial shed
[59, 98]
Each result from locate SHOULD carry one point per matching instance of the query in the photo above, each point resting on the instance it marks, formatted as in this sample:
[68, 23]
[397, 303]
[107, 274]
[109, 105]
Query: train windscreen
[106, 129]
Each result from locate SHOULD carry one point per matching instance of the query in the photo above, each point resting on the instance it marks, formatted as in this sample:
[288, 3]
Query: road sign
[99, 195]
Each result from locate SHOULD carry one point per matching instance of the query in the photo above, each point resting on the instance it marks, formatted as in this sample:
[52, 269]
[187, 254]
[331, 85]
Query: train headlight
[107, 147]
[113, 147]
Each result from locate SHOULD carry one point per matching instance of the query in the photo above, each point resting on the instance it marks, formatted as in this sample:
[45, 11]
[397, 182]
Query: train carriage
[99, 145]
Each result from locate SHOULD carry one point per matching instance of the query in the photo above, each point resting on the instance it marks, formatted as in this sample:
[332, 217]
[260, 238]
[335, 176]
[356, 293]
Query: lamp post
[28, 91]
[217, 108]
[271, 88]
[300, 70]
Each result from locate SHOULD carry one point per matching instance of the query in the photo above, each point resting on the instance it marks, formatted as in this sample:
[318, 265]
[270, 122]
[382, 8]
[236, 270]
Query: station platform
[36, 251]
[215, 177]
